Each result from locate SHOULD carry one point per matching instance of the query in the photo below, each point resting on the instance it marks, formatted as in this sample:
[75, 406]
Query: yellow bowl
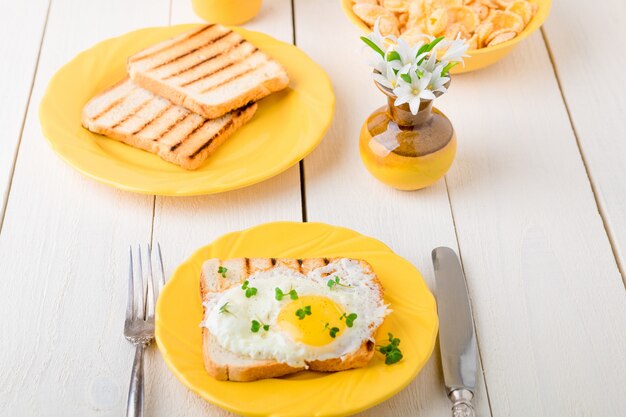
[479, 58]
[227, 12]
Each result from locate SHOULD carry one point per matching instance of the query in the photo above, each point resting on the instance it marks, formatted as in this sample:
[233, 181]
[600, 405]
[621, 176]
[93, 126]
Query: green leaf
[393, 56]
[279, 294]
[448, 67]
[266, 327]
[373, 46]
[224, 308]
[331, 283]
[430, 46]
[333, 332]
[250, 291]
[255, 326]
[293, 295]
[244, 285]
[393, 357]
[222, 271]
[307, 310]
[406, 77]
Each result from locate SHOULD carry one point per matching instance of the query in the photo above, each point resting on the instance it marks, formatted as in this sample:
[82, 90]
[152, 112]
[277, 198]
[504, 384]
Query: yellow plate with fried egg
[413, 320]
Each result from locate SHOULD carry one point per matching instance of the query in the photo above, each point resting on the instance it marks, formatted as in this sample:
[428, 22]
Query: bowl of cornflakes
[491, 27]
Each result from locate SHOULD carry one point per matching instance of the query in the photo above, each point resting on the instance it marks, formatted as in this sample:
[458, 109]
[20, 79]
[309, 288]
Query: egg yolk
[316, 328]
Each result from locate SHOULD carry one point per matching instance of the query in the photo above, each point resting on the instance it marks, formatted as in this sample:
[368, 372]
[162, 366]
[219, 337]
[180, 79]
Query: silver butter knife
[457, 339]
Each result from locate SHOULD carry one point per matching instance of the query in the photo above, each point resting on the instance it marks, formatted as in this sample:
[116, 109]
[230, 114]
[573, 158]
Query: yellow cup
[227, 12]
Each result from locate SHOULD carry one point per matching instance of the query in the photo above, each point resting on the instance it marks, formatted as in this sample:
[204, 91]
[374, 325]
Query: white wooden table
[535, 203]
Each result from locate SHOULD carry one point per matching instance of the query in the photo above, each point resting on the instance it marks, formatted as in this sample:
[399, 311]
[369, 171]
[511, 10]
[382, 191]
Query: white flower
[414, 91]
[455, 50]
[378, 39]
[377, 62]
[437, 81]
[406, 53]
[387, 78]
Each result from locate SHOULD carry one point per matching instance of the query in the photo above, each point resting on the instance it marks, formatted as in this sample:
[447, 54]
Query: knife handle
[462, 403]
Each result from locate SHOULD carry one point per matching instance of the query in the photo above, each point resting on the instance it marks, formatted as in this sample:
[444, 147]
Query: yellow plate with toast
[413, 320]
[482, 57]
[286, 127]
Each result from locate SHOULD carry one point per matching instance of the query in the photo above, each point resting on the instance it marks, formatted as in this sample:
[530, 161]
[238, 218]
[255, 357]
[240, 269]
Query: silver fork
[139, 322]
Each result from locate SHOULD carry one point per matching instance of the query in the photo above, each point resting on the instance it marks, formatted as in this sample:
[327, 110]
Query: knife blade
[457, 338]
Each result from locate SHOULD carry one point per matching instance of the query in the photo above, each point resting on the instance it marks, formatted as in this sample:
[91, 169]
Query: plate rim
[383, 248]
[270, 172]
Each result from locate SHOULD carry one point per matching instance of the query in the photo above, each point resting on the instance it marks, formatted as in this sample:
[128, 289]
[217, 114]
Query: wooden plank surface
[597, 108]
[63, 249]
[183, 225]
[20, 54]
[548, 299]
[340, 191]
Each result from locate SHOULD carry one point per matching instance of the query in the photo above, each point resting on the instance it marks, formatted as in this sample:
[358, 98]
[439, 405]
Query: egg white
[232, 330]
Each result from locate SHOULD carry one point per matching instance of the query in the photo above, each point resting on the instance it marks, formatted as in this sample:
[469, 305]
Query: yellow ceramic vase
[407, 151]
[227, 12]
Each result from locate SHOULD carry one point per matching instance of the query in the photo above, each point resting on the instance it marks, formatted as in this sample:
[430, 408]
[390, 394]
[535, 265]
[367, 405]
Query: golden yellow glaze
[413, 320]
[311, 330]
[226, 12]
[403, 172]
[479, 58]
[286, 127]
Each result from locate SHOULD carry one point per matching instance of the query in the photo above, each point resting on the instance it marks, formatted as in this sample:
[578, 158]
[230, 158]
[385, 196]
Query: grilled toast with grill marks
[137, 117]
[225, 365]
[211, 71]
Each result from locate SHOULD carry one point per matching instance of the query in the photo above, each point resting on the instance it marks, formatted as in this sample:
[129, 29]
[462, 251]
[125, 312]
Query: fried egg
[283, 315]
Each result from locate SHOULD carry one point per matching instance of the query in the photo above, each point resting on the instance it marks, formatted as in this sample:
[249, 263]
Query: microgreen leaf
[373, 46]
[391, 351]
[279, 294]
[332, 330]
[349, 318]
[224, 308]
[255, 326]
[245, 285]
[303, 312]
[336, 281]
[222, 271]
[293, 294]
[250, 291]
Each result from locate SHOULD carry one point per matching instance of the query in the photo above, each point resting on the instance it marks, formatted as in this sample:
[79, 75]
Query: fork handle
[134, 406]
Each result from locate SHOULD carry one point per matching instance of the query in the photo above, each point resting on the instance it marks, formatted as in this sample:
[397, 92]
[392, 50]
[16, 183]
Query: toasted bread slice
[224, 365]
[211, 71]
[137, 117]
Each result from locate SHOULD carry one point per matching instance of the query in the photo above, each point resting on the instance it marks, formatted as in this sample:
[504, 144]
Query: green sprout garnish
[224, 309]
[250, 291]
[349, 318]
[303, 312]
[332, 283]
[257, 325]
[280, 294]
[333, 330]
[222, 271]
[391, 351]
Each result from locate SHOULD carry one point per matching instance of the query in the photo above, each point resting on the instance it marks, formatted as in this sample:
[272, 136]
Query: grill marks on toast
[228, 63]
[139, 118]
[210, 71]
[174, 60]
[160, 48]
